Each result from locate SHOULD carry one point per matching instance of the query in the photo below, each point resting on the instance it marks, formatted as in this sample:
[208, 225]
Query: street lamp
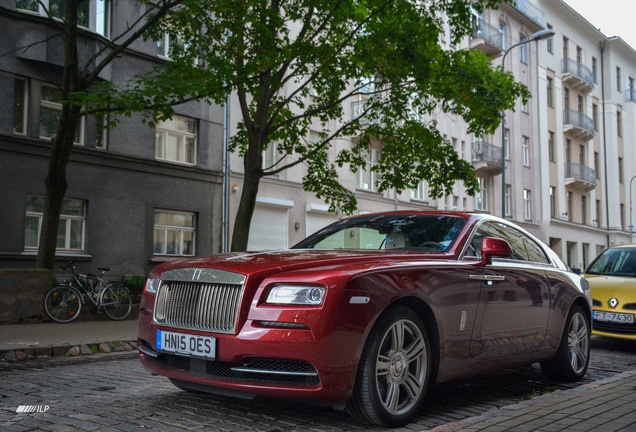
[631, 224]
[540, 35]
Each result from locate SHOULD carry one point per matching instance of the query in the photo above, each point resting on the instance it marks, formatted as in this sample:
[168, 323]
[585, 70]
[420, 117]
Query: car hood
[269, 262]
[612, 285]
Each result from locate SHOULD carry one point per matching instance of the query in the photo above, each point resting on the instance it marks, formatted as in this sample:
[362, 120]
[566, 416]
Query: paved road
[119, 394]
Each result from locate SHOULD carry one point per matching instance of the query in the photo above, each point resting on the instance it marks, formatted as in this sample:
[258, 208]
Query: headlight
[152, 285]
[296, 295]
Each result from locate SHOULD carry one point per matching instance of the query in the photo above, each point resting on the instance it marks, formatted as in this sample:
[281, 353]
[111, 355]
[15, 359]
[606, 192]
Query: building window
[583, 209]
[367, 177]
[618, 78]
[481, 198]
[552, 201]
[619, 124]
[594, 69]
[527, 204]
[101, 131]
[503, 31]
[463, 149]
[174, 233]
[595, 116]
[597, 165]
[570, 205]
[176, 140]
[586, 253]
[506, 149]
[525, 150]
[598, 213]
[421, 193]
[523, 49]
[50, 113]
[550, 86]
[549, 44]
[551, 146]
[508, 200]
[620, 169]
[93, 15]
[71, 230]
[20, 105]
[623, 216]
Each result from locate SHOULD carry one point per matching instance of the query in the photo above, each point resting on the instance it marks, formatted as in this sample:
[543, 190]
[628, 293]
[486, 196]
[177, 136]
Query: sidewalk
[26, 341]
[604, 405]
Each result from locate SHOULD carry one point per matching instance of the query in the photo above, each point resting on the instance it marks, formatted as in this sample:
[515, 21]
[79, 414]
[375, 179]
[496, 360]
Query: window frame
[25, 106]
[527, 204]
[57, 106]
[166, 128]
[181, 229]
[372, 158]
[67, 219]
[92, 15]
[525, 150]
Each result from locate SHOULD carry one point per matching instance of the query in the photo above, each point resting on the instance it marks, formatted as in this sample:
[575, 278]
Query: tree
[83, 92]
[291, 63]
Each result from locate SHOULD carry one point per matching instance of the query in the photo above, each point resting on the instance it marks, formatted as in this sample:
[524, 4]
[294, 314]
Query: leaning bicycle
[64, 302]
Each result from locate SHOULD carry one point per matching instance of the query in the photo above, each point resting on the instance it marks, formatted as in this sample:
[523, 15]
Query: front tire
[573, 355]
[116, 301]
[394, 370]
[63, 303]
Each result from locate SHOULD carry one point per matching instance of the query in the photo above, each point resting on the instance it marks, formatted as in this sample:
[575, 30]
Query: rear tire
[394, 370]
[573, 356]
[63, 303]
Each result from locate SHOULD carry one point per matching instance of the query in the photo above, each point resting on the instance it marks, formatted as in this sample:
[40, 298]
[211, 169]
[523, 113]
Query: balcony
[578, 125]
[486, 159]
[486, 38]
[580, 176]
[527, 13]
[577, 76]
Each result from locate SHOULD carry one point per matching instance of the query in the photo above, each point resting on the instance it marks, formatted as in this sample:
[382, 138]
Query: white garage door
[268, 229]
[315, 221]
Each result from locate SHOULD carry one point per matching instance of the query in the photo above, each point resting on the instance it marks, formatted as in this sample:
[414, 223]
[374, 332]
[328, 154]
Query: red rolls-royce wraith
[367, 312]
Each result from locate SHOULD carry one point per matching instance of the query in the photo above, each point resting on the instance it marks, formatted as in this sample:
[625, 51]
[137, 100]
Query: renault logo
[613, 302]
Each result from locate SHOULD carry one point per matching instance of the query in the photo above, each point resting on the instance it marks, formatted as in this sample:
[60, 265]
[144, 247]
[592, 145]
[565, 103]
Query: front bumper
[272, 362]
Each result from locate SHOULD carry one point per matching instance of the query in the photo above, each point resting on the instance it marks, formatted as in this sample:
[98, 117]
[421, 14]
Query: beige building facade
[569, 151]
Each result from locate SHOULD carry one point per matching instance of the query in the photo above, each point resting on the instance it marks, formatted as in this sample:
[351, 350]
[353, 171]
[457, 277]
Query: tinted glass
[523, 247]
[426, 233]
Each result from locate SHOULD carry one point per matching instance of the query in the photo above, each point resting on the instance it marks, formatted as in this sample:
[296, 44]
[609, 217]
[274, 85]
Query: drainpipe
[602, 48]
[226, 179]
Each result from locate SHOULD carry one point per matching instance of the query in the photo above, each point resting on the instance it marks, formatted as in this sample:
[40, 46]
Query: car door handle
[497, 278]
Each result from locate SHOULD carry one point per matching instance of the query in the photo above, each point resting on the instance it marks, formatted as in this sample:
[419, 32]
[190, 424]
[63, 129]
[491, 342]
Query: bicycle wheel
[116, 301]
[63, 303]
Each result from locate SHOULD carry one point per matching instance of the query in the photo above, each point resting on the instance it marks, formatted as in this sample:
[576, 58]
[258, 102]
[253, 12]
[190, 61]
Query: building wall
[123, 184]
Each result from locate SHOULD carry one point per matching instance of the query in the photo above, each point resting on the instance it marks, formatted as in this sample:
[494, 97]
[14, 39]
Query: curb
[20, 355]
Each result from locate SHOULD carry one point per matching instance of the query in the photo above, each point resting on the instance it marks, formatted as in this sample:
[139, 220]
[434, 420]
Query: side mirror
[494, 247]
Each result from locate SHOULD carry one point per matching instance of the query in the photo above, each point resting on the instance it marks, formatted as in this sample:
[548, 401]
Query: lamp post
[631, 224]
[540, 35]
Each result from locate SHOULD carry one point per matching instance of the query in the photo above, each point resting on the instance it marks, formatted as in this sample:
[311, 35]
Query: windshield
[427, 233]
[615, 262]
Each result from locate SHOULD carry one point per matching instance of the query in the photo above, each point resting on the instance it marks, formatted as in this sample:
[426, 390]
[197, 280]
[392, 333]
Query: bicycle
[64, 302]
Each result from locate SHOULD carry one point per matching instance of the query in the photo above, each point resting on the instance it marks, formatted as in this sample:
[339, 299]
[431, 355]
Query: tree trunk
[252, 165]
[61, 147]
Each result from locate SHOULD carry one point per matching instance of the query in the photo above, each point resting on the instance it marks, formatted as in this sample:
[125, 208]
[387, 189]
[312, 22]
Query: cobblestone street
[116, 393]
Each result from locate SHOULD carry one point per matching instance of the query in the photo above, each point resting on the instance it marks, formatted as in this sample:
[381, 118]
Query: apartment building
[586, 117]
[285, 214]
[137, 195]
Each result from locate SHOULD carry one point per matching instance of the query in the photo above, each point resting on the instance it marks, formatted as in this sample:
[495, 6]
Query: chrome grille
[198, 305]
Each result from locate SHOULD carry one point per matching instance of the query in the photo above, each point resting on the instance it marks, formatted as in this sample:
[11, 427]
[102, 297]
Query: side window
[523, 247]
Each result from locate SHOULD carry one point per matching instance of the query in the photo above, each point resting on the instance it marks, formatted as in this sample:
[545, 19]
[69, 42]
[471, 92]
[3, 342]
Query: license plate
[188, 344]
[613, 317]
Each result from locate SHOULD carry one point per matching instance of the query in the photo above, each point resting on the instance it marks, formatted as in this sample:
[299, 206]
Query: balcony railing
[531, 11]
[580, 176]
[486, 158]
[578, 75]
[486, 38]
[630, 95]
[578, 124]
